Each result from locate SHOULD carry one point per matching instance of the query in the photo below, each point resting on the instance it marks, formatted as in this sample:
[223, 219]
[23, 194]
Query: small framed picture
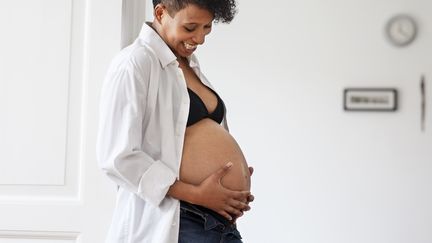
[370, 99]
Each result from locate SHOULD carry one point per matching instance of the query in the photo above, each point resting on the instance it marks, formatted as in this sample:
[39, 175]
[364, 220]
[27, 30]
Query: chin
[184, 52]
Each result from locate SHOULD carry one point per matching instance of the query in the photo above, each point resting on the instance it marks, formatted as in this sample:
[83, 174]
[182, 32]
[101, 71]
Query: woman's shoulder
[134, 56]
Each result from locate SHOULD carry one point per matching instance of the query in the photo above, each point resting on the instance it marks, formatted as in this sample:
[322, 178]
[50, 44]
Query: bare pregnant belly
[208, 147]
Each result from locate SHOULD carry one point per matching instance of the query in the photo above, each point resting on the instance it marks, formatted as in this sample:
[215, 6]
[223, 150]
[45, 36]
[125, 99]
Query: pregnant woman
[163, 136]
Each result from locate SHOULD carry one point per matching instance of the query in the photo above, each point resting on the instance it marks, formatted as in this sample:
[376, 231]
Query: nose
[199, 38]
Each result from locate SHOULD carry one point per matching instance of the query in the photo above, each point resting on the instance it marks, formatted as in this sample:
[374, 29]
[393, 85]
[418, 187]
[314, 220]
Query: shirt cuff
[156, 182]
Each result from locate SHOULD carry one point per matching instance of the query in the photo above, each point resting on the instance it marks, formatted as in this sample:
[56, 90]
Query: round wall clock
[401, 30]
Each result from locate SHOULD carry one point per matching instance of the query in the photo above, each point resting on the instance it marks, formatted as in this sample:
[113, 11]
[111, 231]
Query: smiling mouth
[189, 46]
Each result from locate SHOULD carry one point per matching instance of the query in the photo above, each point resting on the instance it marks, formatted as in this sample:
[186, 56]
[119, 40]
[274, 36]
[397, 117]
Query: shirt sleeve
[119, 144]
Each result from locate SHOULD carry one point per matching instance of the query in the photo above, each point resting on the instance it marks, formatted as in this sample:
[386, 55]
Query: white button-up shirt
[144, 109]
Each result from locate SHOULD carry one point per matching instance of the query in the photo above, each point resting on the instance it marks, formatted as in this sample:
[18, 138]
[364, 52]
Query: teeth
[189, 46]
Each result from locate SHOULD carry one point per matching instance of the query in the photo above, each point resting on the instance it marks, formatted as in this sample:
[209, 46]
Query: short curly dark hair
[223, 10]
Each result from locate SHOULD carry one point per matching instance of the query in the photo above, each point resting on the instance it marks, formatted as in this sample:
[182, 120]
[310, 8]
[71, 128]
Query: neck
[158, 29]
[155, 26]
[183, 61]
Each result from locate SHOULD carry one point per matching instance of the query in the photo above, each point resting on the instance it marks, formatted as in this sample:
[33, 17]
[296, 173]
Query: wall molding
[46, 235]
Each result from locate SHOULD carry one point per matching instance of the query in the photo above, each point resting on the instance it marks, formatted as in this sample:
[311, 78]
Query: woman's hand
[213, 195]
[250, 197]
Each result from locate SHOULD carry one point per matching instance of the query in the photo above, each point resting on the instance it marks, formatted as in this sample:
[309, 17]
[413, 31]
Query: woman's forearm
[183, 191]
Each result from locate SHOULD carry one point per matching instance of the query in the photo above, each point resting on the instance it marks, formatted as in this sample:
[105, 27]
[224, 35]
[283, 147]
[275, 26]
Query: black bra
[198, 110]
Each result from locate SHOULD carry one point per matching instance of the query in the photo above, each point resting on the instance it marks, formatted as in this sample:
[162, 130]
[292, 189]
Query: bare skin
[207, 147]
[213, 171]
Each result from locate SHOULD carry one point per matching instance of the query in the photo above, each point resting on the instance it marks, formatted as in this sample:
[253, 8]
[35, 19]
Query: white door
[53, 57]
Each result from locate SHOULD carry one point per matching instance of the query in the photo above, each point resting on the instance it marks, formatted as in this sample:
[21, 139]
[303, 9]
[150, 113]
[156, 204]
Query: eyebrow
[193, 23]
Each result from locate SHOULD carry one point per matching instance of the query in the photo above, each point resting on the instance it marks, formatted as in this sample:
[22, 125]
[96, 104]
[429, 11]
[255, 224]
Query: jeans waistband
[203, 211]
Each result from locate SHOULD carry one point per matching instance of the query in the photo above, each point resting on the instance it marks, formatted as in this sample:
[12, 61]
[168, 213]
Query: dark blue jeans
[199, 225]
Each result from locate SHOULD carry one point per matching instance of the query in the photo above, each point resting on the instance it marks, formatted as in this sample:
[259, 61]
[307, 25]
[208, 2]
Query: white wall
[322, 174]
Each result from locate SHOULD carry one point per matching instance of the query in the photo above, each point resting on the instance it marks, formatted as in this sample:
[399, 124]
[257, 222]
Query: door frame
[134, 14]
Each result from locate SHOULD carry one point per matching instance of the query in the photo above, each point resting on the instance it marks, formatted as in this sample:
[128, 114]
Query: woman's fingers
[251, 170]
[239, 195]
[251, 198]
[222, 171]
[225, 214]
[233, 211]
[239, 205]
[233, 208]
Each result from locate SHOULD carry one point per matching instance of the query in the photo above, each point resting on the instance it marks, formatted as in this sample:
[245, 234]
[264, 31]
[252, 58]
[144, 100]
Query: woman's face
[187, 29]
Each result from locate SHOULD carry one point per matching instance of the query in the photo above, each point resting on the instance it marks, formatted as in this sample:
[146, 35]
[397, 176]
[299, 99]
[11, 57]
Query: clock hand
[423, 103]
[401, 30]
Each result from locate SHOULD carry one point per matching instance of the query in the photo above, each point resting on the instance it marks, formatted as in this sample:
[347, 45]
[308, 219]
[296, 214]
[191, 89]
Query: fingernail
[229, 164]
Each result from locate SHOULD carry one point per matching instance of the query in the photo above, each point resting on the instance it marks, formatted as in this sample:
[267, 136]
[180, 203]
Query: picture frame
[370, 99]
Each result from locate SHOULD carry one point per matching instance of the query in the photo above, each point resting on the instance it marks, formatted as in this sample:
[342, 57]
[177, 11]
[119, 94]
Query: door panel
[54, 57]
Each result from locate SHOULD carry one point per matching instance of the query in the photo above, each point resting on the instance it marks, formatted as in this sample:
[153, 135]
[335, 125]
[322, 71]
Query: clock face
[401, 30]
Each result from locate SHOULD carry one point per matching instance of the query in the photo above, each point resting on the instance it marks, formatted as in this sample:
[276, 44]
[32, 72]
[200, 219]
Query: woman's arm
[119, 144]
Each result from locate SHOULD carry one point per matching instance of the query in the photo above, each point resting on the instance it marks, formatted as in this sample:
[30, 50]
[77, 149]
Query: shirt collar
[193, 62]
[149, 36]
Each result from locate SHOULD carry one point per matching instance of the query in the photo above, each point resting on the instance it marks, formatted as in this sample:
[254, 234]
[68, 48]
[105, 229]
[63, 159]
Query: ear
[159, 12]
